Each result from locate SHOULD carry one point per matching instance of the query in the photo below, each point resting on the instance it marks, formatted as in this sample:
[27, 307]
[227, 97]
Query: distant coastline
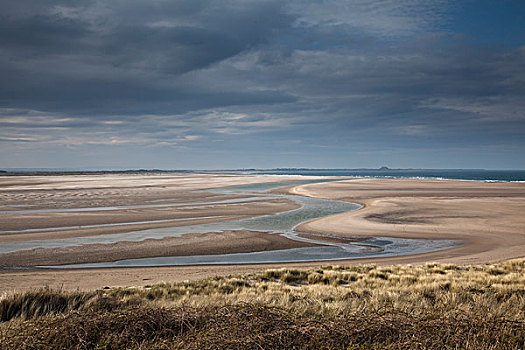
[382, 172]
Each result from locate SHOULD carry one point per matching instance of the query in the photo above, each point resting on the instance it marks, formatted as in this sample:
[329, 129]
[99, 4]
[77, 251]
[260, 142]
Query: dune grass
[360, 307]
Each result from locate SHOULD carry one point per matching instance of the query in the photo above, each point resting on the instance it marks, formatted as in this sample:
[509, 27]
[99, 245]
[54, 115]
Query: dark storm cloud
[109, 53]
[368, 74]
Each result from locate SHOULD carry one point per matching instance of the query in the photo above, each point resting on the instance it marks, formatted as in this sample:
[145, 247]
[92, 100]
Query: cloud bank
[227, 84]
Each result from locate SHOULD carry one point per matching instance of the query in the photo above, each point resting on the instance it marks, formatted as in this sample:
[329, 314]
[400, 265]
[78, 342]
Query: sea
[452, 174]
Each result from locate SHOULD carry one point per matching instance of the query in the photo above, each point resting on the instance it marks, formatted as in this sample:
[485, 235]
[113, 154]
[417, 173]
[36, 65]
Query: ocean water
[453, 174]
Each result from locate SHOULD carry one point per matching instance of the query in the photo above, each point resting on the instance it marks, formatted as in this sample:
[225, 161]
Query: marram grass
[361, 307]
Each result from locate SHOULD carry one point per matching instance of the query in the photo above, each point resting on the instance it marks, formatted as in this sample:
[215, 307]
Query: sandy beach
[486, 217]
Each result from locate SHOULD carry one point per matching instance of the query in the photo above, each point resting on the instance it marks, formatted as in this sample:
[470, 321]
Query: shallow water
[373, 248]
[130, 223]
[282, 223]
[141, 206]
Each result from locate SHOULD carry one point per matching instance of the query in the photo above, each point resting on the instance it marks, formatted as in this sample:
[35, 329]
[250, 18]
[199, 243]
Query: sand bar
[487, 216]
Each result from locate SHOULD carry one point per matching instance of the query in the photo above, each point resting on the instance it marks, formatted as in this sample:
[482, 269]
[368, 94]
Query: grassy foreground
[361, 307]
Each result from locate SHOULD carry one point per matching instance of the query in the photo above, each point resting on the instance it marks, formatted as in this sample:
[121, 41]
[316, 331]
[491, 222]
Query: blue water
[478, 175]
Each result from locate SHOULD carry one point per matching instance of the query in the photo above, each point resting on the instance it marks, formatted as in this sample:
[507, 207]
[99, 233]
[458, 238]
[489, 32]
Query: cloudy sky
[204, 84]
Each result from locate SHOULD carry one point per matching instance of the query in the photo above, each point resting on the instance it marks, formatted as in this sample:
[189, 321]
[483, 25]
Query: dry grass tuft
[360, 307]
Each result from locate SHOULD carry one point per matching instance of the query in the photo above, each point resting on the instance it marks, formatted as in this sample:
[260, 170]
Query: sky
[229, 84]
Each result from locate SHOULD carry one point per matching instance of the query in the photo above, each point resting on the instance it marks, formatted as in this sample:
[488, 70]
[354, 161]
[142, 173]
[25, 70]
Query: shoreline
[423, 209]
[477, 247]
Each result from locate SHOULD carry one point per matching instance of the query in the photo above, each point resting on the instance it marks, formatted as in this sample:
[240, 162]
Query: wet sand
[241, 241]
[486, 216]
[68, 225]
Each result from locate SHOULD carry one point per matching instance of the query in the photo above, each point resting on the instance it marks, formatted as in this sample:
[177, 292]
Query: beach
[484, 217]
